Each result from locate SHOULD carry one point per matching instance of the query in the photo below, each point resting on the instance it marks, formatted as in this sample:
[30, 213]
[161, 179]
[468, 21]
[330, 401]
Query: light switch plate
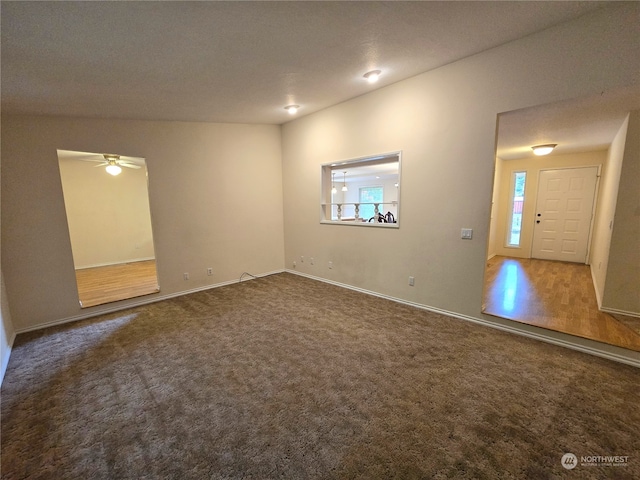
[466, 233]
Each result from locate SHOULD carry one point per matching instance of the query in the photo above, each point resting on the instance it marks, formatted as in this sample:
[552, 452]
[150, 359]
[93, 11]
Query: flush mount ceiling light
[372, 76]
[543, 149]
[292, 109]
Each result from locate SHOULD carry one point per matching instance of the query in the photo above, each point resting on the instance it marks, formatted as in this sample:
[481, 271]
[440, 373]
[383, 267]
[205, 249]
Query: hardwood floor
[100, 285]
[556, 295]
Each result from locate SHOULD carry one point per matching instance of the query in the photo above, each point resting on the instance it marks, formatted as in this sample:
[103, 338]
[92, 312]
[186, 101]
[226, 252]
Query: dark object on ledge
[378, 217]
[390, 218]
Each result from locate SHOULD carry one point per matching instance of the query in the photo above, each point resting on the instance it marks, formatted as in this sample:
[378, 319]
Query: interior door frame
[596, 192]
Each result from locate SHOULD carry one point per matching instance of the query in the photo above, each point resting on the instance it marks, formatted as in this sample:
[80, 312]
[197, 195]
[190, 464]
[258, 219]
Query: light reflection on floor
[511, 287]
[513, 294]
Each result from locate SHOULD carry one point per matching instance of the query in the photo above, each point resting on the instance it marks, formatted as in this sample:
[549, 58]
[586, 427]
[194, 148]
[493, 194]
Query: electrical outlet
[294, 264]
[302, 259]
[209, 271]
[311, 260]
[185, 276]
[412, 281]
[330, 265]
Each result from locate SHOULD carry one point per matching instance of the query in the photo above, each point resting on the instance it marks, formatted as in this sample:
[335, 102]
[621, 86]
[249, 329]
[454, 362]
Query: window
[364, 192]
[515, 210]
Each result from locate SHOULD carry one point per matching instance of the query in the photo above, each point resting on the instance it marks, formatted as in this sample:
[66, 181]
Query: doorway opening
[552, 219]
[108, 216]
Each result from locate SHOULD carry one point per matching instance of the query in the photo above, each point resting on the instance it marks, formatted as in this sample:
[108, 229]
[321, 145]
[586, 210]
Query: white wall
[606, 208]
[7, 332]
[532, 166]
[444, 123]
[215, 195]
[495, 203]
[108, 216]
[622, 286]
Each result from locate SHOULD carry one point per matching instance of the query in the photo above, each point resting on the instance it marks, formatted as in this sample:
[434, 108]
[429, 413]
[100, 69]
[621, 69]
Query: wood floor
[116, 282]
[556, 295]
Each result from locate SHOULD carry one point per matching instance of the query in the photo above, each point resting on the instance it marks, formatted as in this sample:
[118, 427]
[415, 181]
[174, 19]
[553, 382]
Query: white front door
[564, 209]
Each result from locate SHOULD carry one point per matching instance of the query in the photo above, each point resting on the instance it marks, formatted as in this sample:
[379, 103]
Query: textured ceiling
[238, 62]
[576, 125]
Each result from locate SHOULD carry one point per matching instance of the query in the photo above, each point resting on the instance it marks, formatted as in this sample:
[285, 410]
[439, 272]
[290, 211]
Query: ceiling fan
[112, 162]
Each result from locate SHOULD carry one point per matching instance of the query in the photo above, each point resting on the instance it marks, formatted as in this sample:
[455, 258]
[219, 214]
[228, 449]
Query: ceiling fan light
[292, 109]
[540, 150]
[113, 170]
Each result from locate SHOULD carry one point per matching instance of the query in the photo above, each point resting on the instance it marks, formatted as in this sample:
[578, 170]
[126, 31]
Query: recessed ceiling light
[292, 109]
[372, 76]
[543, 149]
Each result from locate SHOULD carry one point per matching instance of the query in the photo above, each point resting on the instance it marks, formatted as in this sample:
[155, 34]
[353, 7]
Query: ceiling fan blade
[84, 156]
[101, 164]
[91, 158]
[132, 160]
[128, 165]
[101, 158]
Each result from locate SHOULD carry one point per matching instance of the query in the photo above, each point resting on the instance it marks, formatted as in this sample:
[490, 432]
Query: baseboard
[6, 354]
[560, 339]
[491, 256]
[566, 341]
[620, 312]
[140, 301]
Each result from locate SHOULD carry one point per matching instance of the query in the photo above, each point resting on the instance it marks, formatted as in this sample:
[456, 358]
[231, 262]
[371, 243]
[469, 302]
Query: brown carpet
[286, 377]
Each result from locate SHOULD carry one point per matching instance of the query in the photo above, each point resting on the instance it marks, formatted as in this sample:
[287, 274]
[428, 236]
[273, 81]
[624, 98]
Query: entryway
[558, 239]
